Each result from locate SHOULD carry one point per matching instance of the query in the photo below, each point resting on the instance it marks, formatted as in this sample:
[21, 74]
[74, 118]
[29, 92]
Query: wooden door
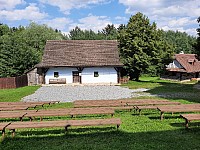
[76, 77]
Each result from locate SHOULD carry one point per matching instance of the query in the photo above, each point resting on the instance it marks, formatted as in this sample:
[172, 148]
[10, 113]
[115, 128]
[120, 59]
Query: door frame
[76, 77]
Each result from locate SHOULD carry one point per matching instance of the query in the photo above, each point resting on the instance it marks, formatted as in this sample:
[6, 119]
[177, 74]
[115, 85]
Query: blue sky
[64, 15]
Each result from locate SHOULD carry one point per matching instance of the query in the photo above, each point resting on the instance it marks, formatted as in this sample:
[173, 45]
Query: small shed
[32, 76]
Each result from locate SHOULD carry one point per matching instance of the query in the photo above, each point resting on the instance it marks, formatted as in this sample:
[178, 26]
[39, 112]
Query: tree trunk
[135, 75]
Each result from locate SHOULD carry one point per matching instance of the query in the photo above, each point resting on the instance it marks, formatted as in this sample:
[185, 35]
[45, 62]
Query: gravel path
[71, 93]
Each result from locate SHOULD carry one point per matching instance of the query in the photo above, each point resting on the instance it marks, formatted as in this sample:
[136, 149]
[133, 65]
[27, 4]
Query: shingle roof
[80, 53]
[189, 62]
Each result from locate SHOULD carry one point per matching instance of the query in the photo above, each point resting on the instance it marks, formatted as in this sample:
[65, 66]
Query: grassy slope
[14, 95]
[143, 132]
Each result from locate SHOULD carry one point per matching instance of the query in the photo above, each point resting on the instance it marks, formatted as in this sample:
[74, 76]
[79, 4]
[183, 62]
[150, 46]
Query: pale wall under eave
[106, 75]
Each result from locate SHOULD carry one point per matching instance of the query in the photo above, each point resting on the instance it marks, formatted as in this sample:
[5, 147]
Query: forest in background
[144, 49]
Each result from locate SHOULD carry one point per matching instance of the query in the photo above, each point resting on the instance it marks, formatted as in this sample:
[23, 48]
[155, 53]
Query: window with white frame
[96, 74]
[56, 74]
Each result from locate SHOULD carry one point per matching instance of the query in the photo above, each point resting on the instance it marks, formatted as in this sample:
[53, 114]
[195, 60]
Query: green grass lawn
[14, 95]
[145, 132]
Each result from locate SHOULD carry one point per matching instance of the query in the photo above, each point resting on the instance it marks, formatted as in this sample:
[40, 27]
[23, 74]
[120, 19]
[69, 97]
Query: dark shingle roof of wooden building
[189, 62]
[80, 53]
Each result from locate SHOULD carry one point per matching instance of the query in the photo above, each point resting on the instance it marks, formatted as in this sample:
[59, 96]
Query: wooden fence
[123, 80]
[13, 82]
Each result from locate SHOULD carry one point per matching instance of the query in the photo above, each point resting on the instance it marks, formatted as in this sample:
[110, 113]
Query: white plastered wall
[106, 75]
[64, 72]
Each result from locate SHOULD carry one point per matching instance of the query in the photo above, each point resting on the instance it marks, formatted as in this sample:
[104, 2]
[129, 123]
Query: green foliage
[142, 48]
[181, 41]
[22, 48]
[108, 33]
[197, 47]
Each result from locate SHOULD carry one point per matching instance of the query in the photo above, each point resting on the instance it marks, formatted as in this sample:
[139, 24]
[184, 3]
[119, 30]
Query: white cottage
[80, 61]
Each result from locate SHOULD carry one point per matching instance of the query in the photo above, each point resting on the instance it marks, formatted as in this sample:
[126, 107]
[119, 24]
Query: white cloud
[92, 22]
[163, 7]
[10, 4]
[58, 23]
[121, 19]
[66, 5]
[31, 12]
[174, 14]
[180, 22]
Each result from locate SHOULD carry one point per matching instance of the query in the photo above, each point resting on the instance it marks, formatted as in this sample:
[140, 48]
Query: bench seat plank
[179, 108]
[71, 112]
[63, 123]
[152, 103]
[12, 114]
[14, 108]
[190, 117]
[111, 103]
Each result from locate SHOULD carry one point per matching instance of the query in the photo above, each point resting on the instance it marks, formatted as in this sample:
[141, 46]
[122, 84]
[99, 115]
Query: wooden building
[183, 67]
[80, 61]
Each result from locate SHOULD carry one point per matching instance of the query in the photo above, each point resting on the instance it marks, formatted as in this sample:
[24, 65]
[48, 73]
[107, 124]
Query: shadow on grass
[107, 139]
[165, 117]
[174, 91]
[191, 125]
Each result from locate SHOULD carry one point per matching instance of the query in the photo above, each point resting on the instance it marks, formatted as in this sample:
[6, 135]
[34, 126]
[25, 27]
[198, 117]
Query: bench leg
[66, 128]
[3, 134]
[31, 119]
[135, 109]
[161, 115]
[112, 115]
[186, 124]
[118, 126]
[13, 133]
[140, 111]
[20, 118]
[41, 118]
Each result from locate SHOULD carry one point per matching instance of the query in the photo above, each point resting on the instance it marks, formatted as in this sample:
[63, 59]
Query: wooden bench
[190, 117]
[153, 105]
[140, 108]
[116, 104]
[60, 123]
[178, 108]
[70, 111]
[57, 81]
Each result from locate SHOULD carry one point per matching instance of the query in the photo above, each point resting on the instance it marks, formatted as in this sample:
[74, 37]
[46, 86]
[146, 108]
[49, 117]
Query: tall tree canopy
[142, 48]
[197, 47]
[21, 48]
[181, 41]
[107, 33]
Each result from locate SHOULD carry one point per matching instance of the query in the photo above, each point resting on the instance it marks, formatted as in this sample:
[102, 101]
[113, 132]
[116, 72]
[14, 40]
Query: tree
[4, 29]
[110, 32]
[22, 48]
[142, 49]
[197, 47]
[76, 34]
[181, 41]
